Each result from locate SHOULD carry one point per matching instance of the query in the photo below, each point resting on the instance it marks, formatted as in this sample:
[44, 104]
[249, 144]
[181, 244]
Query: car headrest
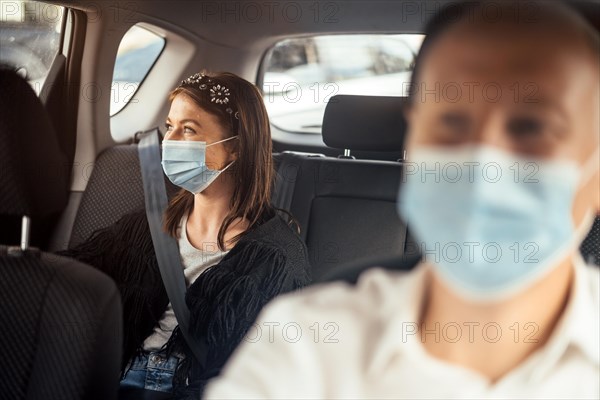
[370, 123]
[33, 169]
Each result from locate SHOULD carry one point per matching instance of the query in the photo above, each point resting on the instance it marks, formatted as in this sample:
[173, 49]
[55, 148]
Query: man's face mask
[492, 223]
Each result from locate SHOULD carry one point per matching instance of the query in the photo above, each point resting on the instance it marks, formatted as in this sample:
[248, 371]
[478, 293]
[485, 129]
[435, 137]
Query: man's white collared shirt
[342, 341]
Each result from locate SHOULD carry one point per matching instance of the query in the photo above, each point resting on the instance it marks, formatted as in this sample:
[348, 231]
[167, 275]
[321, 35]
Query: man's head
[504, 132]
[519, 76]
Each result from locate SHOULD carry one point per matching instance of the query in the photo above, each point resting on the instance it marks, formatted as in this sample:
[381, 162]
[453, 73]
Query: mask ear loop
[221, 141]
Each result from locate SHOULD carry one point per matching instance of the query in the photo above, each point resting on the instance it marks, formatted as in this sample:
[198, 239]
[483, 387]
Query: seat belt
[285, 182]
[165, 247]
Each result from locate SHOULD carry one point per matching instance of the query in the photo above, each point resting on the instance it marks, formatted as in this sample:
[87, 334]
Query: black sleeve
[229, 296]
[124, 251]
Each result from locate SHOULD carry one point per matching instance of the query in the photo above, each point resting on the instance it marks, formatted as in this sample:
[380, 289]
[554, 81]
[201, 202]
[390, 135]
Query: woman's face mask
[492, 223]
[184, 163]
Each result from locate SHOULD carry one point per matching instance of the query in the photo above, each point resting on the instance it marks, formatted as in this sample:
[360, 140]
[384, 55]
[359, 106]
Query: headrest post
[346, 152]
[25, 225]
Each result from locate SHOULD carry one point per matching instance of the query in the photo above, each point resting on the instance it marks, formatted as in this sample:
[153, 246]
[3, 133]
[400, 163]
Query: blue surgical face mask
[184, 163]
[492, 223]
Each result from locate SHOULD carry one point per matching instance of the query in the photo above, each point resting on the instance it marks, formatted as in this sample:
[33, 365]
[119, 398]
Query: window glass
[302, 74]
[29, 38]
[138, 51]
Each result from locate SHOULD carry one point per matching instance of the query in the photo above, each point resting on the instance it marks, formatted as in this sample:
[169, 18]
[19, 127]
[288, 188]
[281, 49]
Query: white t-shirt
[341, 341]
[195, 262]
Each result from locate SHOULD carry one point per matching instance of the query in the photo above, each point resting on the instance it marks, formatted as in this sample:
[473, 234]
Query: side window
[30, 38]
[138, 51]
[302, 74]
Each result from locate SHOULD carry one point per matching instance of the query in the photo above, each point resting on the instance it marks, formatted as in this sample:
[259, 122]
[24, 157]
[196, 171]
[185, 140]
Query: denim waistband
[155, 360]
[151, 371]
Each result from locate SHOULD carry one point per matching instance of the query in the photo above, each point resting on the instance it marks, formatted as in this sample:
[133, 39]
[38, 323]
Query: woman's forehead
[184, 107]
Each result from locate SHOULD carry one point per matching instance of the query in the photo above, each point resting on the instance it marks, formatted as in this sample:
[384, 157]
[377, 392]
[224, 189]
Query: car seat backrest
[61, 319]
[114, 189]
[346, 207]
[28, 185]
[61, 328]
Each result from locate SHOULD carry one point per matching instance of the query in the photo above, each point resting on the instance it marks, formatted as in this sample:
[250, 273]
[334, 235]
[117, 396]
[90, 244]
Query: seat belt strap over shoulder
[285, 182]
[165, 246]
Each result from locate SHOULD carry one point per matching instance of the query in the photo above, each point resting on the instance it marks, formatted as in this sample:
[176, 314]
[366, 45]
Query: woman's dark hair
[243, 115]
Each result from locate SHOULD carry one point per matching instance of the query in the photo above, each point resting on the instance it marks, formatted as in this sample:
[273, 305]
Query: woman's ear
[233, 148]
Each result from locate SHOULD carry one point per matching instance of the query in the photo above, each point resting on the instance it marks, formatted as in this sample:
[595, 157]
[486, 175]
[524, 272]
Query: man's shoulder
[377, 292]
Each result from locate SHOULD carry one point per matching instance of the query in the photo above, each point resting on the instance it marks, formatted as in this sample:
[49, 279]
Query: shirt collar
[578, 327]
[584, 321]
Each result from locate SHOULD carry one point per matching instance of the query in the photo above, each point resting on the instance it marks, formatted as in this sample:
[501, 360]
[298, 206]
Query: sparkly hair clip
[219, 94]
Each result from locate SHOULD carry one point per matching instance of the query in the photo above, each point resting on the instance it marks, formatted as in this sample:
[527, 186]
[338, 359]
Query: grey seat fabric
[346, 209]
[61, 319]
[61, 329]
[590, 248]
[114, 189]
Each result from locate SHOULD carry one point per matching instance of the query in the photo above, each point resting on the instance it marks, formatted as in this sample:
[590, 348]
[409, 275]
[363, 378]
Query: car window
[302, 74]
[30, 38]
[138, 51]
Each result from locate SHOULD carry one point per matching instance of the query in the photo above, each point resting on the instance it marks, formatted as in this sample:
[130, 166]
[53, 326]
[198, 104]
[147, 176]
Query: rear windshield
[302, 74]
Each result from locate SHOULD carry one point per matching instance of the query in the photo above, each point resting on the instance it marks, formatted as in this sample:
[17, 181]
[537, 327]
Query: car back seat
[346, 208]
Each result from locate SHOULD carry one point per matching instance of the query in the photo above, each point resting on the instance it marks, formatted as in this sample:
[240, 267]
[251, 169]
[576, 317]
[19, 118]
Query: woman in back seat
[237, 252]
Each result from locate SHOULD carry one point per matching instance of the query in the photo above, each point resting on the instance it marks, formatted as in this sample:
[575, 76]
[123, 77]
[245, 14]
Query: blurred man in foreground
[502, 187]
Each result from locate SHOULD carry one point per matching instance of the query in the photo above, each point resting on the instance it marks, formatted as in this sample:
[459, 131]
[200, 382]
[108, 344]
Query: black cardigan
[224, 300]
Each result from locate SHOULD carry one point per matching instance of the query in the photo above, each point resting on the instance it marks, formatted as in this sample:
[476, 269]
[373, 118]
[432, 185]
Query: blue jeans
[151, 371]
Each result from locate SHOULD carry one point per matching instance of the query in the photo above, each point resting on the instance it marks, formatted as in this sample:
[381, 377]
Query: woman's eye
[189, 130]
[168, 127]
